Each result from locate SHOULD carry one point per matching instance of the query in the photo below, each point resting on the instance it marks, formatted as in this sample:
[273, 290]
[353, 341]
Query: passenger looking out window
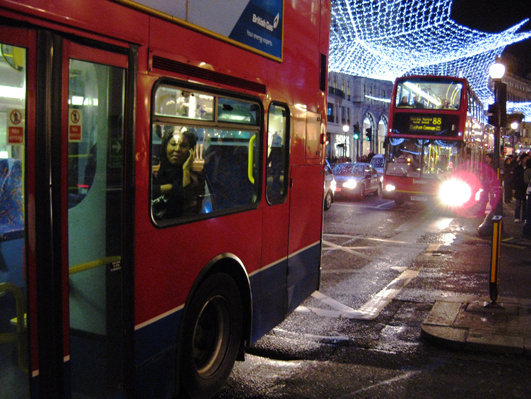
[177, 186]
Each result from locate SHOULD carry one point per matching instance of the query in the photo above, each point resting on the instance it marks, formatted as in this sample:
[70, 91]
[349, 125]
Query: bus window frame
[257, 128]
[276, 200]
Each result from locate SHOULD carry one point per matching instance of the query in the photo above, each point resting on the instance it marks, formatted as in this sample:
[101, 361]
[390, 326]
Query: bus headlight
[350, 184]
[390, 187]
[454, 192]
[477, 197]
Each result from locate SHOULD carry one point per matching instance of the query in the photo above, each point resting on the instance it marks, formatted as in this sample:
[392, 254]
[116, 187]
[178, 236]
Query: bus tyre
[361, 195]
[378, 192]
[328, 201]
[211, 337]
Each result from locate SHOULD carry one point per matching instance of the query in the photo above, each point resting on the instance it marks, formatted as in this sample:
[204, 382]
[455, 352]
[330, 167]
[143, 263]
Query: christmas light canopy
[390, 38]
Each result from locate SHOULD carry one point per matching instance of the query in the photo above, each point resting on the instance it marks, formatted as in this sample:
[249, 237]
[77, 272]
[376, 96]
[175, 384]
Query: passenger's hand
[187, 166]
[188, 163]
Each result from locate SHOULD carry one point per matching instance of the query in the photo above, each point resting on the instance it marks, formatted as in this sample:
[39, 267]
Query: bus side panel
[155, 356]
[203, 51]
[127, 24]
[305, 233]
[269, 298]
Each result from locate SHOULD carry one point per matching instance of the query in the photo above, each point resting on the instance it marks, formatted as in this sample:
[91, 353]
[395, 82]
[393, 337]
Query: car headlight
[454, 192]
[389, 187]
[333, 185]
[351, 184]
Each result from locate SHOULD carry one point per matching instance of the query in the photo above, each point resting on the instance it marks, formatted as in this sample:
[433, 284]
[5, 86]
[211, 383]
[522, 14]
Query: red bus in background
[435, 143]
[127, 268]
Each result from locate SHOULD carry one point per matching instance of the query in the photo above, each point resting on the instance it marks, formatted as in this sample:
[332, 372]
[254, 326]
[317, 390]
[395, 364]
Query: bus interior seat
[11, 222]
[226, 170]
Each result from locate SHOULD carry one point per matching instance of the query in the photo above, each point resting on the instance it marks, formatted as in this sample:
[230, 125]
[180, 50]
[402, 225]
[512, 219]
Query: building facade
[517, 137]
[358, 110]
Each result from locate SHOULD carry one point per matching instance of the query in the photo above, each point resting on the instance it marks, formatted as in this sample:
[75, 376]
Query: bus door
[93, 121]
[16, 117]
[306, 207]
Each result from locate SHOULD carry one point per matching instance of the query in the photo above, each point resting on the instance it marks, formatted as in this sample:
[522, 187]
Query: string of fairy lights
[390, 38]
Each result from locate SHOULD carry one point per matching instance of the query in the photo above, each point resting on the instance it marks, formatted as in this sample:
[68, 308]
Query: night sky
[495, 16]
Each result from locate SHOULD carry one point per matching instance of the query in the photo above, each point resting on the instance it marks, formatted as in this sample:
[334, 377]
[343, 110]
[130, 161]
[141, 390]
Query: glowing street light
[496, 71]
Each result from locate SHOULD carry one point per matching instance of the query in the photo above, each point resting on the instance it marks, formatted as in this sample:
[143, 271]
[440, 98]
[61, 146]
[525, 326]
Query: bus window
[207, 167]
[277, 154]
[82, 146]
[420, 94]
[237, 111]
[416, 157]
[170, 101]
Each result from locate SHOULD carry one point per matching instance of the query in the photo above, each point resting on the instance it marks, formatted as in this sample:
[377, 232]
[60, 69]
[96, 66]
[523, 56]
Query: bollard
[527, 213]
[495, 258]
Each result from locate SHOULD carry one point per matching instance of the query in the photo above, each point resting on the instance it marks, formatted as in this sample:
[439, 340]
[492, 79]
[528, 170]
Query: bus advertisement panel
[252, 23]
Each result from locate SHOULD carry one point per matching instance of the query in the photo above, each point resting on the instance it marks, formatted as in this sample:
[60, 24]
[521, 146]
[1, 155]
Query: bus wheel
[361, 195]
[211, 338]
[327, 201]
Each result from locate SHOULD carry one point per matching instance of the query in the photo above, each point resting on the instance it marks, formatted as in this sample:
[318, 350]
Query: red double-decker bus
[162, 171]
[435, 143]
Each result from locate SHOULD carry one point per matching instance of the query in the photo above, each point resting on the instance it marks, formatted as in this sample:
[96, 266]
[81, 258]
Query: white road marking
[404, 376]
[331, 245]
[370, 310]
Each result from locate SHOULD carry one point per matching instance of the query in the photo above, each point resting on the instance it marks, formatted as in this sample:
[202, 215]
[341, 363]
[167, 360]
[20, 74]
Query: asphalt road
[383, 268]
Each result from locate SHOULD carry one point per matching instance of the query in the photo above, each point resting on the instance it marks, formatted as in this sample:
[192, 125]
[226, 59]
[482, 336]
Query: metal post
[498, 210]
[495, 259]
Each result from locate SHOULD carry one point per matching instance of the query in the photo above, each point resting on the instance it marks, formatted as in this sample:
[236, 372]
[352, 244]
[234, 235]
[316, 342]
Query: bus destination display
[425, 123]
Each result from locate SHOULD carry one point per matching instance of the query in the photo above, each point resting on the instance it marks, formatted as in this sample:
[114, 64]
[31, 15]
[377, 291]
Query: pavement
[474, 322]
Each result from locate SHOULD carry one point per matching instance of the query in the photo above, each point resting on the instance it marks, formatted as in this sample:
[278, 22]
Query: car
[378, 163]
[356, 179]
[329, 187]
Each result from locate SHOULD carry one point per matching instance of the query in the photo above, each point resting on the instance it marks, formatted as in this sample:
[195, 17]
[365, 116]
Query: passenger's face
[178, 149]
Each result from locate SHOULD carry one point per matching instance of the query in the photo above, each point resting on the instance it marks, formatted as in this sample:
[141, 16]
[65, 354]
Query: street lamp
[496, 71]
[345, 130]
[498, 119]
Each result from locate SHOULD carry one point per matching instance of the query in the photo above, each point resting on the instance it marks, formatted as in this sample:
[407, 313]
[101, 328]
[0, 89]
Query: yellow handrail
[251, 159]
[93, 264]
[20, 335]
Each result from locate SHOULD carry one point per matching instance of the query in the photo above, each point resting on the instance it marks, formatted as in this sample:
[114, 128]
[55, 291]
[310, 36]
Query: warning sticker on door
[75, 130]
[15, 126]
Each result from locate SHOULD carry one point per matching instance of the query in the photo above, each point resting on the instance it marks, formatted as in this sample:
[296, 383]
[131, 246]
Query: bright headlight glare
[350, 184]
[454, 192]
[390, 187]
[333, 185]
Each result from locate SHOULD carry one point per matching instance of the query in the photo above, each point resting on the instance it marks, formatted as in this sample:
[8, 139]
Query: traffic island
[468, 322]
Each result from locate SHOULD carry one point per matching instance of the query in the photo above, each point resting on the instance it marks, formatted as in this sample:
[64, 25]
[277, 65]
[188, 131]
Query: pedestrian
[487, 177]
[527, 181]
[508, 169]
[519, 188]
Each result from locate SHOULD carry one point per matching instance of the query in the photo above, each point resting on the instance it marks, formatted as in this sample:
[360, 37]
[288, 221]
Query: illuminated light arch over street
[391, 38]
